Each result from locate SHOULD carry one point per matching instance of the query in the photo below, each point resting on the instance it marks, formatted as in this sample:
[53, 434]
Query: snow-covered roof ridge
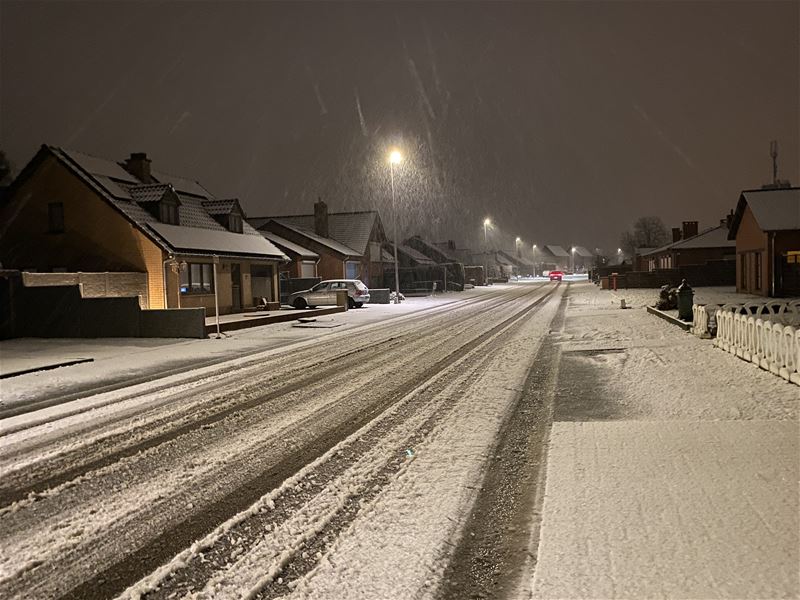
[773, 209]
[123, 191]
[711, 237]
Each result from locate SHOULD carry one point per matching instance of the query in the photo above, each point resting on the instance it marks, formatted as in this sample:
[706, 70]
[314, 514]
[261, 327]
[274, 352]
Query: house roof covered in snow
[435, 253]
[414, 255]
[773, 209]
[290, 247]
[555, 250]
[583, 252]
[128, 195]
[713, 237]
[308, 234]
[351, 229]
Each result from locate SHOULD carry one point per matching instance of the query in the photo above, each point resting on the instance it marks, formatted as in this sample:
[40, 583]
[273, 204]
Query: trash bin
[342, 299]
[685, 300]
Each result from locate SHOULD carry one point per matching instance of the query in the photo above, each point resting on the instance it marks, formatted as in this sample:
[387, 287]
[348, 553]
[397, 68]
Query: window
[235, 223]
[743, 271]
[308, 269]
[351, 270]
[55, 217]
[197, 278]
[168, 213]
[757, 269]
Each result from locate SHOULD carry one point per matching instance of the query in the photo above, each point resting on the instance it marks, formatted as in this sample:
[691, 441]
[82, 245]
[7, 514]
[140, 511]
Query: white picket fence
[765, 333]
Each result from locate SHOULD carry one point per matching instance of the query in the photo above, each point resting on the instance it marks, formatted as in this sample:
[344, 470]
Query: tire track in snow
[105, 450]
[314, 506]
[478, 317]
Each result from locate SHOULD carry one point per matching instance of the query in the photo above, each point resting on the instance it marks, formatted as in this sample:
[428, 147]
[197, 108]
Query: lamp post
[487, 222]
[395, 158]
[573, 260]
[215, 262]
[534, 260]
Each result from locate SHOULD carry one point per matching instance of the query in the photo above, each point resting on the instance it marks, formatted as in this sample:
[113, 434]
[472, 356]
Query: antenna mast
[773, 152]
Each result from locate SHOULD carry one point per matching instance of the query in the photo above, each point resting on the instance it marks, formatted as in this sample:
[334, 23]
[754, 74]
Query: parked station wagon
[325, 293]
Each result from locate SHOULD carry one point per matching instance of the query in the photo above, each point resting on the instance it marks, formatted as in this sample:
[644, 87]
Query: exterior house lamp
[395, 158]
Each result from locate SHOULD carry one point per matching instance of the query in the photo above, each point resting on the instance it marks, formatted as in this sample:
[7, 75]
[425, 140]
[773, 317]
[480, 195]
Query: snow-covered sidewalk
[674, 475]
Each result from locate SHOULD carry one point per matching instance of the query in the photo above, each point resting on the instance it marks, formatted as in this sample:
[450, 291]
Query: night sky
[562, 121]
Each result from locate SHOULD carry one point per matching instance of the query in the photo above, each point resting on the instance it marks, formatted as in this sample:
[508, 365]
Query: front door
[236, 286]
[788, 269]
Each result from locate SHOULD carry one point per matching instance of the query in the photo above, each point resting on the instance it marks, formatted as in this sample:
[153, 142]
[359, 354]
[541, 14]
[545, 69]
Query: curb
[685, 325]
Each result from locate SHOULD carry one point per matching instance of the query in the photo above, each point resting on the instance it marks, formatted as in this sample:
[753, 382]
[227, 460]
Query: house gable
[95, 236]
[749, 235]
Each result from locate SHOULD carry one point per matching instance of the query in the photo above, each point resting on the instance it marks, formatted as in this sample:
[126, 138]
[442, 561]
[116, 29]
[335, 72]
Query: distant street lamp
[534, 260]
[395, 158]
[573, 259]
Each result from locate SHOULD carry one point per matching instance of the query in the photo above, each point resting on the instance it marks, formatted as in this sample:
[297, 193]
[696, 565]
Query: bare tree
[647, 232]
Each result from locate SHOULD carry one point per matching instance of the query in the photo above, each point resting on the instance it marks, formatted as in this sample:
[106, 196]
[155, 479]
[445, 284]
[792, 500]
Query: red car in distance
[556, 275]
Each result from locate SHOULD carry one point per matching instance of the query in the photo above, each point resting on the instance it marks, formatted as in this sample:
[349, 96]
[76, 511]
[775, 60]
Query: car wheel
[351, 303]
[359, 305]
[300, 303]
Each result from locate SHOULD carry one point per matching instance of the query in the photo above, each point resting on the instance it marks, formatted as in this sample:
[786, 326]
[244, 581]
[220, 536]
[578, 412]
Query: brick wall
[715, 273]
[95, 285]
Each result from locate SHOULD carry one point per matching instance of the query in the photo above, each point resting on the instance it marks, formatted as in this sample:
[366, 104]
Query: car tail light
[359, 292]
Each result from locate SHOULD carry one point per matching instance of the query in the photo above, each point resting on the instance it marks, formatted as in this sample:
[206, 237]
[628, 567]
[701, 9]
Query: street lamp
[487, 222]
[573, 259]
[534, 260]
[395, 158]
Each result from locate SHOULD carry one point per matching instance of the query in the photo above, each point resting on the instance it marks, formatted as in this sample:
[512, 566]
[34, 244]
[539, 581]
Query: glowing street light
[573, 259]
[534, 260]
[487, 222]
[395, 158]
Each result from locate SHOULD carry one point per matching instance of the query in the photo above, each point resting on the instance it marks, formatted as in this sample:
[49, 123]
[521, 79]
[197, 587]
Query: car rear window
[360, 286]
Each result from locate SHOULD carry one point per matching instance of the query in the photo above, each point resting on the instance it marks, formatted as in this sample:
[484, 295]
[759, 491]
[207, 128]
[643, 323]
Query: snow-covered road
[345, 465]
[530, 440]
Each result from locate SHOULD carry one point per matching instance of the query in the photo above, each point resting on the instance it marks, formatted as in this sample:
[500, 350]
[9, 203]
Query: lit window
[198, 278]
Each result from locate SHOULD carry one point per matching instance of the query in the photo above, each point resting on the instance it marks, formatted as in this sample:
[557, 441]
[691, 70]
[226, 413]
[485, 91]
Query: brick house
[69, 212]
[551, 258]
[692, 248]
[302, 261]
[349, 244]
[766, 231]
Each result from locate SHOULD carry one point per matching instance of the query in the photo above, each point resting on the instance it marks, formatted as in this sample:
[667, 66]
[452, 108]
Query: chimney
[689, 229]
[451, 244]
[676, 234]
[138, 165]
[321, 218]
[729, 219]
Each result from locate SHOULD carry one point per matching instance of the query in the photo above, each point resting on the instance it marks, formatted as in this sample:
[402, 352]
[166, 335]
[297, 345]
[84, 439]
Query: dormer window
[168, 212]
[235, 223]
[160, 200]
[227, 213]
